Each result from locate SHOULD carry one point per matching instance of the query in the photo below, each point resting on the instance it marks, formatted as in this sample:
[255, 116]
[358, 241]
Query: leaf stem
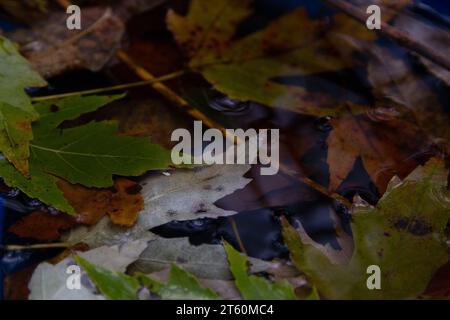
[14, 247]
[166, 77]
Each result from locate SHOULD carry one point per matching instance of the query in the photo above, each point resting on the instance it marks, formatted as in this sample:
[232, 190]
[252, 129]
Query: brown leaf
[42, 226]
[122, 203]
[53, 49]
[394, 80]
[386, 148]
[16, 284]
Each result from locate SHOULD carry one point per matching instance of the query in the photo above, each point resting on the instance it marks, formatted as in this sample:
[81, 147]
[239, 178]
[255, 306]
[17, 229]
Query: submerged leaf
[386, 148]
[254, 67]
[253, 287]
[405, 229]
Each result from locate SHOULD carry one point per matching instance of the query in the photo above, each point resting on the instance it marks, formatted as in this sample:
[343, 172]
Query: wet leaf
[206, 261]
[53, 49]
[113, 285]
[393, 79]
[16, 110]
[405, 229]
[254, 67]
[253, 287]
[42, 226]
[183, 195]
[181, 285]
[122, 202]
[386, 148]
[49, 282]
[89, 154]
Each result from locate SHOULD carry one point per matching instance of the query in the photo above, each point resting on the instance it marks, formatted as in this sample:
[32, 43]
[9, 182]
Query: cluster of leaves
[183, 285]
[42, 153]
[46, 157]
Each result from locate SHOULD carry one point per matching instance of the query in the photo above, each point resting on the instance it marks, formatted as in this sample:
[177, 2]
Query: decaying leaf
[16, 111]
[403, 235]
[183, 195]
[52, 48]
[394, 80]
[122, 202]
[42, 226]
[50, 281]
[253, 68]
[386, 148]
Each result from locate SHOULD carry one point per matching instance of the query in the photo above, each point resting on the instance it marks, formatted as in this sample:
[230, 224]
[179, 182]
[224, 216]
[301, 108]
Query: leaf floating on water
[405, 229]
[122, 202]
[89, 154]
[16, 110]
[49, 282]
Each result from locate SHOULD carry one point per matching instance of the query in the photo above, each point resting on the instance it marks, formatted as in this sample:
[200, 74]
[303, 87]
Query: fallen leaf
[49, 282]
[183, 195]
[405, 229]
[253, 68]
[253, 287]
[180, 285]
[53, 49]
[206, 261]
[122, 202]
[394, 80]
[89, 154]
[16, 111]
[42, 226]
[112, 285]
[386, 148]
[224, 288]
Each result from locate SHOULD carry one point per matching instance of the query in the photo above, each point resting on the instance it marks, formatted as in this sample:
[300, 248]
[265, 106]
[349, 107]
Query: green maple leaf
[404, 235]
[253, 287]
[89, 154]
[252, 68]
[16, 111]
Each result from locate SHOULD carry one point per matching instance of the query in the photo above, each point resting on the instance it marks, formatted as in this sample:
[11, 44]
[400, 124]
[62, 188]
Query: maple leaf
[89, 154]
[252, 68]
[405, 229]
[386, 148]
[16, 110]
